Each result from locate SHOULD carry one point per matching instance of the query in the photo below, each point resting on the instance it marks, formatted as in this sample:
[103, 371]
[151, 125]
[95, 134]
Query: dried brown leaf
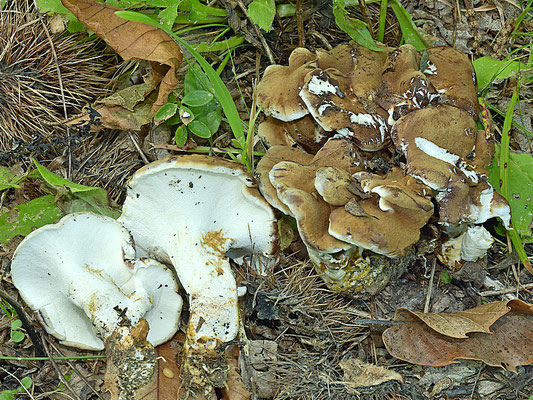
[234, 389]
[132, 40]
[509, 344]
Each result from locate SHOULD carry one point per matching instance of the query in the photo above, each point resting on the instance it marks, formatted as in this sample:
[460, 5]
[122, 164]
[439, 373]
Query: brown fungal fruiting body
[402, 136]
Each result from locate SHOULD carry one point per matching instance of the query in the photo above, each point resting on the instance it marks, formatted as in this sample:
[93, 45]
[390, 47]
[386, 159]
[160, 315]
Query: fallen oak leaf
[235, 389]
[132, 40]
[508, 345]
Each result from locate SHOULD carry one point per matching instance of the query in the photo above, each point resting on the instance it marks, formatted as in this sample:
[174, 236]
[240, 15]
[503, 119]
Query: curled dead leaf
[499, 334]
[132, 40]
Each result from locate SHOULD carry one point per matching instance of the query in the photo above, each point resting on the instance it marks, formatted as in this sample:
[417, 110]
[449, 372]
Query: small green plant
[198, 112]
[16, 335]
[25, 384]
[446, 277]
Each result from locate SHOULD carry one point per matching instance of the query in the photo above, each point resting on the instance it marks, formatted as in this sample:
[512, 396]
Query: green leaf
[17, 336]
[197, 98]
[22, 219]
[445, 277]
[488, 69]
[16, 324]
[410, 32]
[165, 112]
[520, 167]
[262, 13]
[26, 382]
[199, 129]
[94, 197]
[8, 179]
[6, 395]
[180, 136]
[355, 28]
[196, 79]
[168, 15]
[212, 120]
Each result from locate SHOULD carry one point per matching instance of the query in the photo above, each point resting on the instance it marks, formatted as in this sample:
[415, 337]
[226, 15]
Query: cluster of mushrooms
[362, 145]
[95, 282]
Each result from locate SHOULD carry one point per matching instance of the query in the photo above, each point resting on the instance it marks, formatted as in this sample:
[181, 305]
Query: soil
[305, 335]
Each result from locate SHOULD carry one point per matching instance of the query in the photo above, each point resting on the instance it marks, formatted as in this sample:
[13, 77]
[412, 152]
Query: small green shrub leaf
[199, 129]
[520, 166]
[166, 111]
[197, 98]
[212, 120]
[23, 218]
[488, 69]
[168, 15]
[262, 13]
[180, 136]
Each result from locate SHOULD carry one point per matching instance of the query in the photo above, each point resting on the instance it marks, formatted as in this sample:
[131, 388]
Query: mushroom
[278, 91]
[334, 106]
[302, 132]
[468, 246]
[195, 212]
[439, 144]
[390, 225]
[404, 87]
[452, 74]
[81, 278]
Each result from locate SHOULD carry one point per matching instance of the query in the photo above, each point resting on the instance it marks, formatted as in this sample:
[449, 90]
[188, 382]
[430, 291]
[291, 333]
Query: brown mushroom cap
[387, 226]
[397, 190]
[303, 132]
[278, 91]
[404, 88]
[335, 107]
[452, 74]
[273, 156]
[436, 142]
[333, 185]
[294, 185]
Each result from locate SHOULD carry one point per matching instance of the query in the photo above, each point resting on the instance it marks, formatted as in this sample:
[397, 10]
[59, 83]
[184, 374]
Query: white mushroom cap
[194, 212]
[79, 277]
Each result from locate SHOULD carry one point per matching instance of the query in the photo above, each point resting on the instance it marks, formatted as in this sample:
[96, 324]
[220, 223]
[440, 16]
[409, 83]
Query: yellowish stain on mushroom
[215, 240]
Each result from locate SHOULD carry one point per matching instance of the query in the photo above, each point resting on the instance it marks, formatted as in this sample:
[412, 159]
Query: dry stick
[82, 377]
[300, 22]
[19, 381]
[61, 89]
[58, 371]
[430, 285]
[39, 349]
[506, 290]
[139, 150]
[258, 33]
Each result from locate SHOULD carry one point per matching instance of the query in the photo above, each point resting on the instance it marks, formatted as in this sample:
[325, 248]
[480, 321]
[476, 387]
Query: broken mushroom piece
[81, 279]
[195, 212]
[469, 246]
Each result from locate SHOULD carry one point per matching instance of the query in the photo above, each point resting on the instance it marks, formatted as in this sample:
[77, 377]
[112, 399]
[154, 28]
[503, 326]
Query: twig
[430, 285]
[506, 290]
[139, 150]
[71, 366]
[300, 23]
[39, 350]
[59, 373]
